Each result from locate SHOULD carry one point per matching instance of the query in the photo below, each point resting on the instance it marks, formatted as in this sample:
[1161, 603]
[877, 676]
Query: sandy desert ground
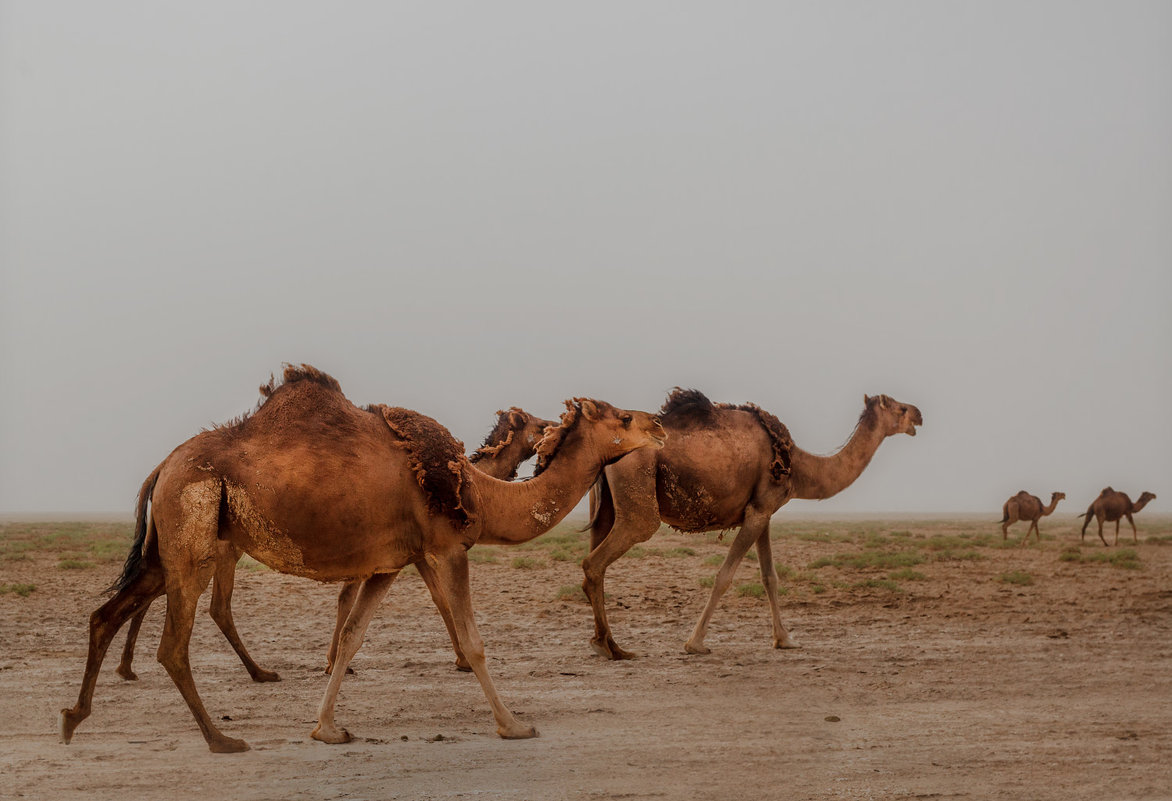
[936, 663]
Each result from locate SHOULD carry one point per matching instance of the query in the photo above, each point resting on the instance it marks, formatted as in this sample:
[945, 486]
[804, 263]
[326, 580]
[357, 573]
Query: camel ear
[589, 409]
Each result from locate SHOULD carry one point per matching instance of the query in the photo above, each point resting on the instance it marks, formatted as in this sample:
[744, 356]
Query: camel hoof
[333, 735]
[518, 732]
[696, 648]
[126, 673]
[228, 745]
[262, 675]
[330, 670]
[610, 650]
[463, 667]
[67, 721]
[786, 645]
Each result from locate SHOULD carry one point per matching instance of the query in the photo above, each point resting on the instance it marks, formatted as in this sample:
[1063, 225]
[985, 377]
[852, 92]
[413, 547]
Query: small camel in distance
[1112, 506]
[1024, 506]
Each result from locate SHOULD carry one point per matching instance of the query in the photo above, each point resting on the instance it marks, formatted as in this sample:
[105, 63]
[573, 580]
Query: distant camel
[512, 440]
[723, 466]
[1111, 506]
[313, 486]
[1024, 506]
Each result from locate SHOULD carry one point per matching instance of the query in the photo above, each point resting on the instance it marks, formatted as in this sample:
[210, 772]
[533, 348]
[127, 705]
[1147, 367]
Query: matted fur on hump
[508, 423]
[292, 374]
[691, 407]
[436, 457]
[555, 436]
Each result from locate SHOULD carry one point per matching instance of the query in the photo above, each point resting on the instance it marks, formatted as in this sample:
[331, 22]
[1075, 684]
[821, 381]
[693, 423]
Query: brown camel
[723, 466]
[1024, 506]
[1112, 506]
[512, 440]
[313, 486]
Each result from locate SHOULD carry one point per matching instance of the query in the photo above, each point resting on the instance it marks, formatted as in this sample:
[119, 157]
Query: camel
[1112, 506]
[511, 441]
[311, 485]
[1024, 506]
[723, 466]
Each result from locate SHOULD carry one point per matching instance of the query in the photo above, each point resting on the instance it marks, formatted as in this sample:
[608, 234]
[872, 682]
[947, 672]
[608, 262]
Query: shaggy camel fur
[1024, 506]
[314, 486]
[1112, 506]
[512, 440]
[723, 466]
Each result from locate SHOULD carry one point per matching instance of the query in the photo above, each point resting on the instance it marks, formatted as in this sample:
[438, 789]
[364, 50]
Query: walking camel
[313, 486]
[1024, 506]
[1113, 506]
[511, 441]
[723, 466]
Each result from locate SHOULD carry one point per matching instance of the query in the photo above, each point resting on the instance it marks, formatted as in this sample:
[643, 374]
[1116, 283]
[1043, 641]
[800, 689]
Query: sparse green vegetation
[483, 555]
[869, 560]
[1126, 558]
[23, 590]
[715, 560]
[74, 564]
[1019, 577]
[572, 592]
[876, 584]
[907, 574]
[525, 563]
[680, 552]
[707, 581]
[751, 590]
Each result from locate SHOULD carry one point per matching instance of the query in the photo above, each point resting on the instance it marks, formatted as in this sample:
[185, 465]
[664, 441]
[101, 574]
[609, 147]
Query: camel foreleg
[781, 638]
[751, 529]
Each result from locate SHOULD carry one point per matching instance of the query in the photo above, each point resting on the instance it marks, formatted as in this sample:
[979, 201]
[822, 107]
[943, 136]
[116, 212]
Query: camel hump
[295, 373]
[684, 405]
[436, 457]
[779, 437]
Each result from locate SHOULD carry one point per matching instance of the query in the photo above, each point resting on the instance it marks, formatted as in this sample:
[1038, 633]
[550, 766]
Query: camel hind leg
[369, 594]
[781, 638]
[451, 573]
[754, 525]
[124, 668]
[104, 624]
[1134, 534]
[221, 610]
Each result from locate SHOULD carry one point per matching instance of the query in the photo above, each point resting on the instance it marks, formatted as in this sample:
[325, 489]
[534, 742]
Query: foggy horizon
[459, 208]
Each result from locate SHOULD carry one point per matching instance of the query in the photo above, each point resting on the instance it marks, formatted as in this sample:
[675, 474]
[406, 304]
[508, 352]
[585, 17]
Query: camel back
[436, 458]
[685, 407]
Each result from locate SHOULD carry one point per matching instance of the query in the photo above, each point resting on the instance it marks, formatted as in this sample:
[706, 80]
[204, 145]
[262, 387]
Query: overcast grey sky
[459, 207]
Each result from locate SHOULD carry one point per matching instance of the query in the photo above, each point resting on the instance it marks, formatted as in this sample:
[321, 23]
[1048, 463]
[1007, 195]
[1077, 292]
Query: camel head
[892, 416]
[1057, 496]
[1147, 496]
[530, 428]
[608, 431]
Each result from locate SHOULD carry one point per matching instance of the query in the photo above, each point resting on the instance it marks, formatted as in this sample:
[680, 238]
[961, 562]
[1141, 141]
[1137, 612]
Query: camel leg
[751, 530]
[626, 532]
[1134, 535]
[370, 594]
[1116, 532]
[781, 638]
[124, 669]
[104, 624]
[441, 603]
[451, 571]
[1099, 520]
[346, 598]
[221, 611]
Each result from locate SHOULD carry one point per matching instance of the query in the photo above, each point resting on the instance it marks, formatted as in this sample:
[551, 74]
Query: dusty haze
[459, 208]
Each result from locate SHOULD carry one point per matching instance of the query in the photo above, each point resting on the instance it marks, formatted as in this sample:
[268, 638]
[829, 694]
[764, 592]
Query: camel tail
[142, 525]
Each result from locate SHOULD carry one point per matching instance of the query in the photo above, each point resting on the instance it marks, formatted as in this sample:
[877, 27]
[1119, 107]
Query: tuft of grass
[707, 581]
[907, 574]
[959, 556]
[23, 590]
[716, 560]
[638, 552]
[1125, 558]
[74, 564]
[817, 588]
[482, 556]
[567, 554]
[751, 590]
[525, 563]
[1019, 577]
[676, 553]
[870, 560]
[572, 592]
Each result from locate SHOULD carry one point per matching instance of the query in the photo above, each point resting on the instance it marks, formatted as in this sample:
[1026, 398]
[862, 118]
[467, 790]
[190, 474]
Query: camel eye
[626, 418]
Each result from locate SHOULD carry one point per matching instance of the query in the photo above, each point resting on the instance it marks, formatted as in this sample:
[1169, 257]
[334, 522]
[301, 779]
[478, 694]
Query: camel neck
[1140, 504]
[817, 477]
[1053, 505]
[504, 463]
[513, 512]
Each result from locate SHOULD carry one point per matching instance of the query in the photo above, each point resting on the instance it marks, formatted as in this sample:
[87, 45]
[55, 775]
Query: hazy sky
[459, 207]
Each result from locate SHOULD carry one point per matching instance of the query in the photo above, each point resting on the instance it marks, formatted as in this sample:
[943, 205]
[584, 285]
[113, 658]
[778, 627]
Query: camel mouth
[911, 432]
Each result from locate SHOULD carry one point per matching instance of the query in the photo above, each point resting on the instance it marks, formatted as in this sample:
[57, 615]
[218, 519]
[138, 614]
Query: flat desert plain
[936, 662]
